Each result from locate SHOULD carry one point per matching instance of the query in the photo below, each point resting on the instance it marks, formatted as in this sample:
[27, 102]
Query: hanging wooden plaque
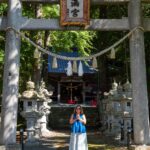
[74, 12]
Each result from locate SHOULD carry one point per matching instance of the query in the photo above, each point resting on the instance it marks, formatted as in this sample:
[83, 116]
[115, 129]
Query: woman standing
[78, 138]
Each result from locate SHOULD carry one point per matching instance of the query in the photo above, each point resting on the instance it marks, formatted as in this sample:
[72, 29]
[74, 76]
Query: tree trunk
[39, 41]
[103, 77]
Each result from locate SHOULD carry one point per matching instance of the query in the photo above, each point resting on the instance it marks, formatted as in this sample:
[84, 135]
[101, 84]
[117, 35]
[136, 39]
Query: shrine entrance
[14, 22]
[71, 92]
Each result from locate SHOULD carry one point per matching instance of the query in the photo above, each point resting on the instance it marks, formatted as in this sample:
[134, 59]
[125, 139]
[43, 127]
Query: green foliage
[26, 62]
[28, 10]
[117, 11]
[51, 11]
[3, 9]
[146, 10]
[64, 41]
[94, 12]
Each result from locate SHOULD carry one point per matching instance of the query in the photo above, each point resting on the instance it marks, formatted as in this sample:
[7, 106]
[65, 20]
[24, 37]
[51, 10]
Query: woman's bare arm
[71, 121]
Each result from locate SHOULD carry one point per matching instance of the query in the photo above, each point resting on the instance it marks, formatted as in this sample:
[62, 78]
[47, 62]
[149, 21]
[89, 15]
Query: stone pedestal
[31, 118]
[11, 147]
[43, 126]
[141, 147]
[2, 148]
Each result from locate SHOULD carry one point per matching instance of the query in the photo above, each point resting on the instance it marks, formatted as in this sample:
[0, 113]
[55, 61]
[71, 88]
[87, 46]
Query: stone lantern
[35, 111]
[30, 110]
[117, 108]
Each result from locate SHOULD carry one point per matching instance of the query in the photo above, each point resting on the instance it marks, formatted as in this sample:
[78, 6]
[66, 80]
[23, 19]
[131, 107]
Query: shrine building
[72, 89]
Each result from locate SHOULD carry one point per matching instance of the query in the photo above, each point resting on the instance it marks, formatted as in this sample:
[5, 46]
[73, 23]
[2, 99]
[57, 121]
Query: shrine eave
[62, 64]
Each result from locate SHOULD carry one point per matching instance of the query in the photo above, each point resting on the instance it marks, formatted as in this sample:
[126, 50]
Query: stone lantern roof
[127, 86]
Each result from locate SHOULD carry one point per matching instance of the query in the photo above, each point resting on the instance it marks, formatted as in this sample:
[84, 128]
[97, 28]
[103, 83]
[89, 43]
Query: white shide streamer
[80, 69]
[69, 69]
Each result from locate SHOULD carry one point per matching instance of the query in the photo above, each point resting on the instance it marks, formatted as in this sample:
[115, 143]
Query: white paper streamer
[54, 63]
[80, 69]
[69, 69]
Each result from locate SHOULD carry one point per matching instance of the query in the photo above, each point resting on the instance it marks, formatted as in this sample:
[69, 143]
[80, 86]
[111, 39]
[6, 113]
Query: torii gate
[12, 56]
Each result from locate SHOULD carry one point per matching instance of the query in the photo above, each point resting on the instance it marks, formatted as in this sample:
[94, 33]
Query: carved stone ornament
[44, 93]
[30, 92]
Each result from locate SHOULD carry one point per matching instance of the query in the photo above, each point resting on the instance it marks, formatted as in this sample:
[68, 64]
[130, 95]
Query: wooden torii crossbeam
[95, 24]
[93, 2]
[15, 20]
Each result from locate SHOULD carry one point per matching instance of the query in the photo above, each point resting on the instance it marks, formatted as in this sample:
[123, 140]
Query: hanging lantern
[69, 69]
[74, 68]
[94, 63]
[54, 63]
[36, 53]
[80, 70]
[113, 53]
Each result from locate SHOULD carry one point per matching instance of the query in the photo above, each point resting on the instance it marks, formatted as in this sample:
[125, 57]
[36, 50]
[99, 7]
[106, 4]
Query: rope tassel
[113, 54]
[36, 53]
[69, 69]
[80, 70]
[94, 63]
[74, 68]
[54, 63]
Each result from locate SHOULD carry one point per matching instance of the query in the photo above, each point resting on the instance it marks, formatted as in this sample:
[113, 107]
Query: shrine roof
[62, 64]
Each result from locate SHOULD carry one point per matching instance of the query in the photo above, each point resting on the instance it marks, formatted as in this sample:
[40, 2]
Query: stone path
[59, 141]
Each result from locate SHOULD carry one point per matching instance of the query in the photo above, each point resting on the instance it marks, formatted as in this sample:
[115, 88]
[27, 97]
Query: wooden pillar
[58, 93]
[11, 75]
[138, 76]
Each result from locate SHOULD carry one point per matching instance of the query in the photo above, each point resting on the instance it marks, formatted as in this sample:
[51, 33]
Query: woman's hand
[72, 120]
[83, 120]
[78, 117]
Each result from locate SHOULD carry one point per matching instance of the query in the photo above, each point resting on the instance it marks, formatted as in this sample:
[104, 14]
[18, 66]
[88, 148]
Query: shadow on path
[59, 140]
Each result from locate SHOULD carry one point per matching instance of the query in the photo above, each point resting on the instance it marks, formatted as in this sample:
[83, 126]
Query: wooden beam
[95, 24]
[93, 2]
[58, 1]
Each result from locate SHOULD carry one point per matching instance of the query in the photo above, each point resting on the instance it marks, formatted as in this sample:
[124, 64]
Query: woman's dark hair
[81, 109]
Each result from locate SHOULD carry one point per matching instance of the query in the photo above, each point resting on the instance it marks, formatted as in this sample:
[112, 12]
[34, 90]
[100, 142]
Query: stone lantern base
[10, 147]
[140, 147]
